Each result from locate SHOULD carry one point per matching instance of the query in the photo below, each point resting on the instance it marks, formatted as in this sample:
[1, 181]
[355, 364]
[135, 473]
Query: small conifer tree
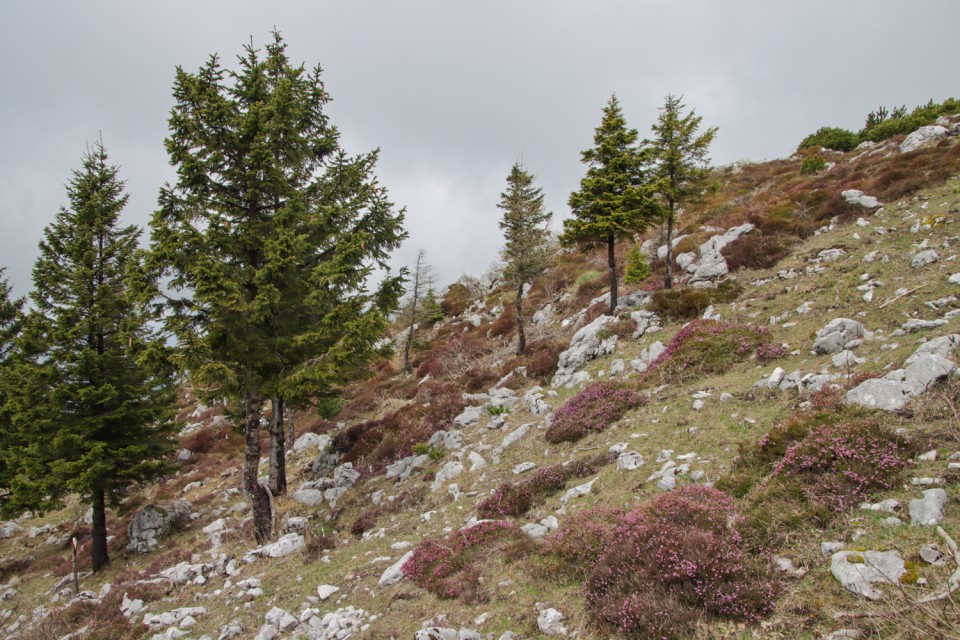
[617, 196]
[638, 267]
[527, 251]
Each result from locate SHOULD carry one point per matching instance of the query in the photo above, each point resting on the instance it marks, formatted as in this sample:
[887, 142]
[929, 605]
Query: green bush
[638, 268]
[812, 165]
[831, 138]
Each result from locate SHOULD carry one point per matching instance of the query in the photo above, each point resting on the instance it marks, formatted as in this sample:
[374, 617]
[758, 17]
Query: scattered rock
[859, 571]
[394, 572]
[550, 622]
[629, 461]
[923, 258]
[283, 547]
[928, 510]
[324, 591]
[836, 335]
[854, 196]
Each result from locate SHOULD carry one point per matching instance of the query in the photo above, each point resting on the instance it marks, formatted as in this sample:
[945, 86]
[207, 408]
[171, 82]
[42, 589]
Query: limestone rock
[923, 136]
[311, 442]
[283, 547]
[153, 522]
[923, 258]
[836, 335]
[859, 571]
[711, 262]
[855, 196]
[928, 510]
[394, 573]
[550, 622]
[585, 345]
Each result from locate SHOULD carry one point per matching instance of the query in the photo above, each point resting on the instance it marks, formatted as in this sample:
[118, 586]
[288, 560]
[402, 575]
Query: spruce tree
[681, 158]
[526, 254]
[90, 416]
[268, 238]
[617, 196]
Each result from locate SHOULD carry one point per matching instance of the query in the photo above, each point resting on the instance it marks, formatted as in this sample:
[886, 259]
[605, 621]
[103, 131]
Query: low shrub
[505, 323]
[675, 561]
[542, 358]
[811, 467]
[592, 410]
[201, 441]
[755, 251]
[812, 165]
[830, 138]
[456, 300]
[478, 378]
[581, 539]
[840, 465]
[364, 523]
[707, 347]
[449, 567]
[512, 500]
[682, 303]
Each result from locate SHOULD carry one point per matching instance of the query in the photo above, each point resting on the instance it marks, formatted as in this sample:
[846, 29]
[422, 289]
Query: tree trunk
[668, 280]
[291, 428]
[612, 264]
[255, 492]
[406, 349]
[277, 482]
[521, 336]
[98, 535]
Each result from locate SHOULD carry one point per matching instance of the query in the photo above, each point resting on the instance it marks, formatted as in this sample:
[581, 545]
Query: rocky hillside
[772, 449]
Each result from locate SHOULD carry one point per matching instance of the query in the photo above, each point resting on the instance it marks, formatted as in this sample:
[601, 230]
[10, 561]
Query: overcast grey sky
[453, 92]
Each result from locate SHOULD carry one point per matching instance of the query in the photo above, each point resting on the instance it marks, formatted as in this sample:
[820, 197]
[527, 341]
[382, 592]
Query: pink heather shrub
[449, 567]
[516, 499]
[842, 464]
[581, 538]
[769, 352]
[591, 410]
[708, 347]
[674, 560]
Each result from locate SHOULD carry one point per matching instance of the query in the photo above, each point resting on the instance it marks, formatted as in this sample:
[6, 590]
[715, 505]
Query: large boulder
[928, 365]
[923, 136]
[154, 522]
[836, 335]
[712, 264]
[585, 345]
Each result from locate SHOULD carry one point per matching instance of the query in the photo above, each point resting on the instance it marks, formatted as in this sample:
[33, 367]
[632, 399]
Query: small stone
[931, 555]
[550, 622]
[324, 591]
[929, 456]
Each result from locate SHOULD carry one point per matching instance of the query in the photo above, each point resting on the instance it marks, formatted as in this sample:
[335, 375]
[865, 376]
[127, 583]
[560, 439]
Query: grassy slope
[516, 584]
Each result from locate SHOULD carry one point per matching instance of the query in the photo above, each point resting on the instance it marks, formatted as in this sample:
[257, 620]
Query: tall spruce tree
[90, 416]
[527, 250]
[681, 159]
[268, 237]
[617, 197]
